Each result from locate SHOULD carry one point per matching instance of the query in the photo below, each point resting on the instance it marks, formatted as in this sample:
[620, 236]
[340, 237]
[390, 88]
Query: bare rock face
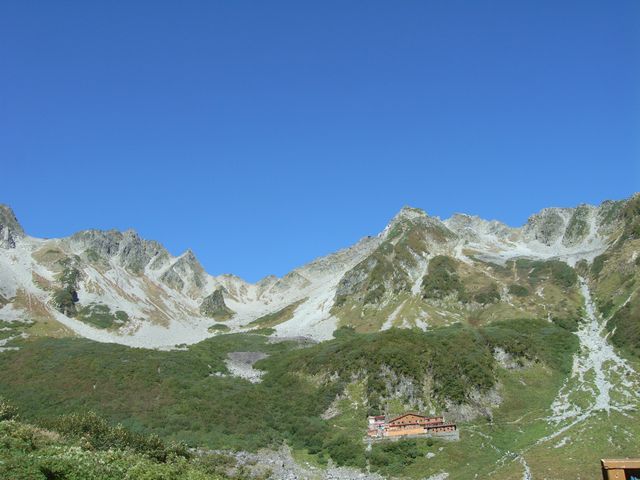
[186, 272]
[10, 229]
[132, 252]
[547, 226]
[172, 279]
[289, 281]
[471, 228]
[477, 405]
[213, 306]
[577, 226]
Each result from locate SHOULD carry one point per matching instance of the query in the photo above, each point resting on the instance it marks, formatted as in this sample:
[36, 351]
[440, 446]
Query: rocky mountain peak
[189, 257]
[409, 213]
[186, 274]
[408, 218]
[10, 228]
[189, 261]
[132, 251]
[406, 215]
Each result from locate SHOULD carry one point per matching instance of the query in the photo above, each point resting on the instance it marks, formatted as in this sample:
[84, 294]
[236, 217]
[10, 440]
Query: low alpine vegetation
[180, 396]
[86, 446]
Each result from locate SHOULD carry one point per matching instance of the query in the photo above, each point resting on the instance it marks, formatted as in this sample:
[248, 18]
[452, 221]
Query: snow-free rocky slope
[421, 271]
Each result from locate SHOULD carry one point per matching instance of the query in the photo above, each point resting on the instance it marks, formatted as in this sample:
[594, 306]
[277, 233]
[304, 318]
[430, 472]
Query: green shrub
[605, 307]
[344, 331]
[66, 297]
[28, 453]
[535, 340]
[441, 279]
[458, 359]
[375, 294]
[598, 264]
[96, 432]
[562, 274]
[537, 270]
[7, 410]
[219, 327]
[65, 300]
[92, 255]
[631, 217]
[518, 290]
[625, 325]
[69, 276]
[272, 319]
[570, 323]
[345, 450]
[100, 315]
[391, 458]
[263, 331]
[488, 295]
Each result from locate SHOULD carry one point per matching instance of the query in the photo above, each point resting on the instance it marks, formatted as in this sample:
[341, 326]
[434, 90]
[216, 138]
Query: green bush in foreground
[85, 447]
[7, 410]
[96, 433]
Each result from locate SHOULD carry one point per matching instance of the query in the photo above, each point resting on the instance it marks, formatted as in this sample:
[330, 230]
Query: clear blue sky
[264, 134]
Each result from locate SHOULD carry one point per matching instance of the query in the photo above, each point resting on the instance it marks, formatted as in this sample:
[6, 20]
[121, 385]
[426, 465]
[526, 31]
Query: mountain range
[419, 272]
[528, 338]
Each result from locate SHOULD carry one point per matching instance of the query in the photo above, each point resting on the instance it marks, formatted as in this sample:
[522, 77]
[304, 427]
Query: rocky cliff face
[10, 229]
[185, 275]
[127, 248]
[574, 227]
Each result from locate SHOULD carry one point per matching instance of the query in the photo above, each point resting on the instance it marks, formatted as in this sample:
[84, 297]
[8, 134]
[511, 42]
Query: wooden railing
[621, 469]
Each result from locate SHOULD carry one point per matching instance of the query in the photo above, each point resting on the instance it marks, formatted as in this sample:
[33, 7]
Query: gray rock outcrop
[213, 306]
[132, 252]
[186, 271]
[10, 229]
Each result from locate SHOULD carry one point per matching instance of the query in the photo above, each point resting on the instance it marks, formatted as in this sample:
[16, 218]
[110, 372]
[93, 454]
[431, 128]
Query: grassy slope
[173, 393]
[273, 319]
